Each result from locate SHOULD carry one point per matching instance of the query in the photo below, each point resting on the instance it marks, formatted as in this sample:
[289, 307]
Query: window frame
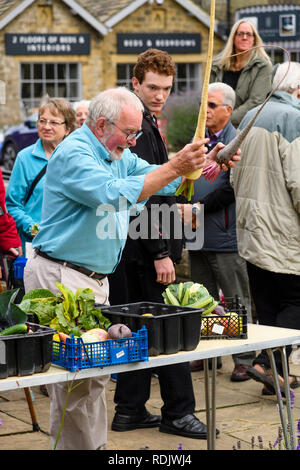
[33, 102]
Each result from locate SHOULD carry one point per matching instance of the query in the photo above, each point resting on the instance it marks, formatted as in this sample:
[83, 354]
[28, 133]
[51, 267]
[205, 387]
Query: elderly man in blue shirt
[92, 182]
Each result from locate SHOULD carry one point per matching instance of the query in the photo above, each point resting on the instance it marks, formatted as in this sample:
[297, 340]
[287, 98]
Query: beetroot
[219, 310]
[119, 331]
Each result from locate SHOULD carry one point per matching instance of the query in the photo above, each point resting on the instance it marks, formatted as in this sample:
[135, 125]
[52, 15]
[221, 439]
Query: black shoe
[129, 422]
[188, 426]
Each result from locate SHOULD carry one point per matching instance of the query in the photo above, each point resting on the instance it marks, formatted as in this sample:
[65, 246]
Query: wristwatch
[195, 209]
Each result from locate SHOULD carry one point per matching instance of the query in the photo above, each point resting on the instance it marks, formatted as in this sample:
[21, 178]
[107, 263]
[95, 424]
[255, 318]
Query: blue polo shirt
[87, 202]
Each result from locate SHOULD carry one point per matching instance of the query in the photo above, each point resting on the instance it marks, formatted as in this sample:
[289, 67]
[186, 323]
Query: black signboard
[278, 25]
[47, 44]
[171, 42]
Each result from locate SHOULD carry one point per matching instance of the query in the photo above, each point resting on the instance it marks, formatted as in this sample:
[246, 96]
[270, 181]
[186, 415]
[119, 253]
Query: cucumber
[17, 329]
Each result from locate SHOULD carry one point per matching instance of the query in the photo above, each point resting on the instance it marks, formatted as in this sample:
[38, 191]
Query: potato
[94, 335]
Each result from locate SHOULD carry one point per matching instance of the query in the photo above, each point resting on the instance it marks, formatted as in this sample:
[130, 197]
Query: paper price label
[218, 329]
[120, 354]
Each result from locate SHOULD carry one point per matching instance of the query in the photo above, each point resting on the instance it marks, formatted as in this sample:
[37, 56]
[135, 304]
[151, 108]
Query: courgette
[19, 328]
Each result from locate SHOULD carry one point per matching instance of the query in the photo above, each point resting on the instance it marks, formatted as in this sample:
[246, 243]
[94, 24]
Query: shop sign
[279, 25]
[43, 44]
[171, 42]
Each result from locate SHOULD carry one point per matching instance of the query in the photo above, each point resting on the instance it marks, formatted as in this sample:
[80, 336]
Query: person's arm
[221, 198]
[187, 160]
[9, 238]
[191, 158]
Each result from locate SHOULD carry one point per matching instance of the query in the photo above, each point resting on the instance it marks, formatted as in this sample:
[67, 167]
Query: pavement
[243, 415]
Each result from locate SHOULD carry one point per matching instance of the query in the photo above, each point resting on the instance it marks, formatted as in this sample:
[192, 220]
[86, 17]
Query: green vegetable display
[66, 312]
[190, 294]
[18, 329]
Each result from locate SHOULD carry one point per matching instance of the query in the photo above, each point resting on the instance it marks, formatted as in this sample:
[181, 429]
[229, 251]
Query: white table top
[259, 337]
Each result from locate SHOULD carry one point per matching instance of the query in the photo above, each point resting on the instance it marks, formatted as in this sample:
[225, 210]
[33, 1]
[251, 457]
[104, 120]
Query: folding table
[259, 337]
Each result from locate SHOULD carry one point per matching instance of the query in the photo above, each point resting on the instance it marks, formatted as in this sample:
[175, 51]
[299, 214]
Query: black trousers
[135, 283]
[277, 301]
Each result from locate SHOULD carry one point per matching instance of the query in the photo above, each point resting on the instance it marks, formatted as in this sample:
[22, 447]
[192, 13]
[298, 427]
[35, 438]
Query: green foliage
[181, 113]
[67, 312]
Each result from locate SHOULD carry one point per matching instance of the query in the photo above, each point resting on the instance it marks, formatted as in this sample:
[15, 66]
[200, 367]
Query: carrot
[201, 124]
[63, 336]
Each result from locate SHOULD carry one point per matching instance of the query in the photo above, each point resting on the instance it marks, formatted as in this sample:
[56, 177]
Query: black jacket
[219, 206]
[150, 147]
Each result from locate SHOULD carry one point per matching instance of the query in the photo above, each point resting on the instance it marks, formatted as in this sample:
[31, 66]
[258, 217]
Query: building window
[188, 76]
[276, 55]
[58, 80]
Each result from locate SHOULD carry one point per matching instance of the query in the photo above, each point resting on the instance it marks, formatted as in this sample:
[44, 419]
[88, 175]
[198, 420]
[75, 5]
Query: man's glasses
[129, 135]
[44, 122]
[241, 35]
[212, 105]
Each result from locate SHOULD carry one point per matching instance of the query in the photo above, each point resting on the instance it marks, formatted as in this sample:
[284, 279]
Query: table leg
[287, 433]
[288, 398]
[207, 402]
[213, 402]
[210, 402]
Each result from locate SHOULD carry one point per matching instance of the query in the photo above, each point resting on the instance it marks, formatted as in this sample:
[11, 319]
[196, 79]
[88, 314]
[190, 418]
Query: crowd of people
[110, 150]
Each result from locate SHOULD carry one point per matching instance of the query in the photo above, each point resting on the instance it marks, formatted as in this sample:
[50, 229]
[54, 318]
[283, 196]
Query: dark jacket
[150, 147]
[219, 206]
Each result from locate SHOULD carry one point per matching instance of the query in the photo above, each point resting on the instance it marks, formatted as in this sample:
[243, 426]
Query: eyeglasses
[212, 105]
[240, 34]
[129, 135]
[44, 122]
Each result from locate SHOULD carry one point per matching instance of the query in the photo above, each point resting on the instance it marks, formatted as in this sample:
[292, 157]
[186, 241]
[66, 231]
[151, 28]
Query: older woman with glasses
[248, 73]
[56, 119]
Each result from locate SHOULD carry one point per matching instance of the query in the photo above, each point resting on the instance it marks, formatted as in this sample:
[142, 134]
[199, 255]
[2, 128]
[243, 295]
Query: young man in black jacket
[146, 268]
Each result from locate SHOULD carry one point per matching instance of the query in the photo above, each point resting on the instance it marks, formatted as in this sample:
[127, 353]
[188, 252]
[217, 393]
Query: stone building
[75, 49]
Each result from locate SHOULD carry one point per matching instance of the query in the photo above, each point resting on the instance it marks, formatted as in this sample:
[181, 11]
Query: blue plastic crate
[74, 354]
[19, 265]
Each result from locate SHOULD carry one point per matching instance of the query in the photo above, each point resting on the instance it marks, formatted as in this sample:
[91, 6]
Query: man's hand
[165, 271]
[212, 156]
[191, 158]
[16, 251]
[187, 215]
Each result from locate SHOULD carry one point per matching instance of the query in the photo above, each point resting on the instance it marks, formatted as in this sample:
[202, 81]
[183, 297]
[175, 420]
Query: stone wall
[99, 69]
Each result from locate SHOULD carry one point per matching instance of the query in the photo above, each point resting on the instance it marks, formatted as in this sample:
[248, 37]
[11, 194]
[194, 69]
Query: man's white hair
[228, 92]
[81, 103]
[292, 80]
[109, 104]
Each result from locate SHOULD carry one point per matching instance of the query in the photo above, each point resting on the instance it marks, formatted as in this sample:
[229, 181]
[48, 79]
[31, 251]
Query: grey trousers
[85, 424]
[226, 271]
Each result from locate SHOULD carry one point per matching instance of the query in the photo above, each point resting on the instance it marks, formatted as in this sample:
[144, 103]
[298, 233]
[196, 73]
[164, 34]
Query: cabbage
[189, 294]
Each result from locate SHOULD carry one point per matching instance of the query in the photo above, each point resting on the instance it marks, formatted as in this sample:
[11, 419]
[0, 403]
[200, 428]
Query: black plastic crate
[170, 328]
[223, 326]
[26, 354]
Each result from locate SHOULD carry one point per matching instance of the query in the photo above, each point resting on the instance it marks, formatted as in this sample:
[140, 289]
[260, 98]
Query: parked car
[16, 138]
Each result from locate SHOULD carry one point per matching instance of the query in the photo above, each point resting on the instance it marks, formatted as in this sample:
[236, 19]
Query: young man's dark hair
[156, 61]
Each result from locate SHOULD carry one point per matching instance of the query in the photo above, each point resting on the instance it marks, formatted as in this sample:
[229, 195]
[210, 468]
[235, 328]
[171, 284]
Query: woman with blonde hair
[248, 73]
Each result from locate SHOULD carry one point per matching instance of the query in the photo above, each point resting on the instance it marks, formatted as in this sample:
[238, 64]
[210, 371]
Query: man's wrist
[196, 208]
[162, 255]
